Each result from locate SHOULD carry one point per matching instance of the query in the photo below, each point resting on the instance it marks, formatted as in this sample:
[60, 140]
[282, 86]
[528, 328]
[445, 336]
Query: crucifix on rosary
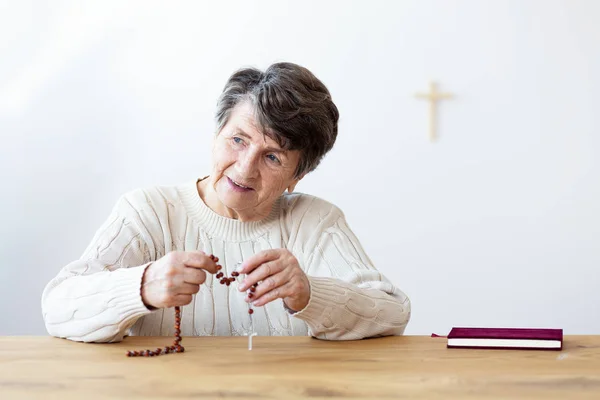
[433, 97]
[250, 293]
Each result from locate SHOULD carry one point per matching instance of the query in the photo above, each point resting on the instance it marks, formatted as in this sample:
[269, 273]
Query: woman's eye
[237, 140]
[273, 158]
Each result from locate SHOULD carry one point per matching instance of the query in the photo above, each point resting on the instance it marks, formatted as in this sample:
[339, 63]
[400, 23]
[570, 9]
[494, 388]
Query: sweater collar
[219, 226]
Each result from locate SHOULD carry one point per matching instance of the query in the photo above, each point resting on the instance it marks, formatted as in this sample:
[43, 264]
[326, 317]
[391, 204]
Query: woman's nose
[248, 164]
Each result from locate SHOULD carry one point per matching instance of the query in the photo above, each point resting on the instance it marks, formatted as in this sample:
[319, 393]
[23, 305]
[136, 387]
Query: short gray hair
[292, 107]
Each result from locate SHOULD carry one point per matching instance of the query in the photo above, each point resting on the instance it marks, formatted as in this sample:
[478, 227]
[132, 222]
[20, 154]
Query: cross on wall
[433, 96]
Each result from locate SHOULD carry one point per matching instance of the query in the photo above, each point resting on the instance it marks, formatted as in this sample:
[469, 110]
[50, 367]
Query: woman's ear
[292, 186]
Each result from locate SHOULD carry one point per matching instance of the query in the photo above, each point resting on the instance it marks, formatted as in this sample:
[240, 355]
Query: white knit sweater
[97, 298]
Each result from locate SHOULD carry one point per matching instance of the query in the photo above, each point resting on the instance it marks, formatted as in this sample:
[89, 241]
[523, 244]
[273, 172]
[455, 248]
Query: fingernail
[240, 267]
[242, 287]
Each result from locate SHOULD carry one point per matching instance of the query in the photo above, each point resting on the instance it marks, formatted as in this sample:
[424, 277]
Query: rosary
[177, 347]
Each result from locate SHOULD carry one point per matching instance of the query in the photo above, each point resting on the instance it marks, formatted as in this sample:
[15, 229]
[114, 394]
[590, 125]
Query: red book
[506, 338]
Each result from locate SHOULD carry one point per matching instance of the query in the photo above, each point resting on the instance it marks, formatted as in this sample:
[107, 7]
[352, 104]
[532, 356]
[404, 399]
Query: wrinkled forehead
[245, 119]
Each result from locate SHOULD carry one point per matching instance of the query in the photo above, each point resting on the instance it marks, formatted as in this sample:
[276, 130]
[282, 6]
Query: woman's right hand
[173, 279]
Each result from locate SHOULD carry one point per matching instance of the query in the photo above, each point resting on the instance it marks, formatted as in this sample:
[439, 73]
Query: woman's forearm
[339, 310]
[97, 307]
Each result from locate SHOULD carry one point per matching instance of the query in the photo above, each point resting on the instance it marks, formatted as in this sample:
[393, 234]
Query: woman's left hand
[279, 276]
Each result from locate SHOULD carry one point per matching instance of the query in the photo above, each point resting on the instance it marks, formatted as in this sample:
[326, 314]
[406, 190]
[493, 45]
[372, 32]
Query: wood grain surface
[409, 367]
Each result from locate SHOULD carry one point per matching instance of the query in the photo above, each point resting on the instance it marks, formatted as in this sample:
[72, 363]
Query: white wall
[496, 224]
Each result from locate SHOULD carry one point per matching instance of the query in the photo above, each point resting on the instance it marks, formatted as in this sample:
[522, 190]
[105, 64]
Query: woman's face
[250, 170]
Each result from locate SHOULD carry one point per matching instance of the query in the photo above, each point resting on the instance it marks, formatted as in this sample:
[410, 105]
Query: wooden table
[411, 367]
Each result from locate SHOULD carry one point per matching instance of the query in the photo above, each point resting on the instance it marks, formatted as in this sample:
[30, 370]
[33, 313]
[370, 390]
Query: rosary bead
[250, 311]
[253, 289]
[235, 273]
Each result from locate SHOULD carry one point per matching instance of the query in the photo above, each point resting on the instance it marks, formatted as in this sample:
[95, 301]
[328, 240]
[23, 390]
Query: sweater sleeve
[350, 299]
[97, 298]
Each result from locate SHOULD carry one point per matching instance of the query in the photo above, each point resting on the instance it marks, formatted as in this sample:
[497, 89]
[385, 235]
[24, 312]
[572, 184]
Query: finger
[264, 285]
[198, 259]
[261, 273]
[279, 292]
[194, 275]
[188, 288]
[258, 259]
[182, 300]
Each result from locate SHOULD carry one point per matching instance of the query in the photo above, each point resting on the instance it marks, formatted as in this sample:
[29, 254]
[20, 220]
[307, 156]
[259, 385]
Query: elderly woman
[154, 250]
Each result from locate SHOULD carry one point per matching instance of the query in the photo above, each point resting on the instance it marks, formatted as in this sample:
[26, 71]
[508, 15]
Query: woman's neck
[211, 199]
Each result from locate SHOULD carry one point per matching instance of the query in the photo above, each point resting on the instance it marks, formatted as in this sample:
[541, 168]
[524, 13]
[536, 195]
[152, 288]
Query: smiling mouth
[239, 184]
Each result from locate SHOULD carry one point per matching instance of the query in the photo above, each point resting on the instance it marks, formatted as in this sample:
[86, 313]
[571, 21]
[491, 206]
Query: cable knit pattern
[97, 298]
